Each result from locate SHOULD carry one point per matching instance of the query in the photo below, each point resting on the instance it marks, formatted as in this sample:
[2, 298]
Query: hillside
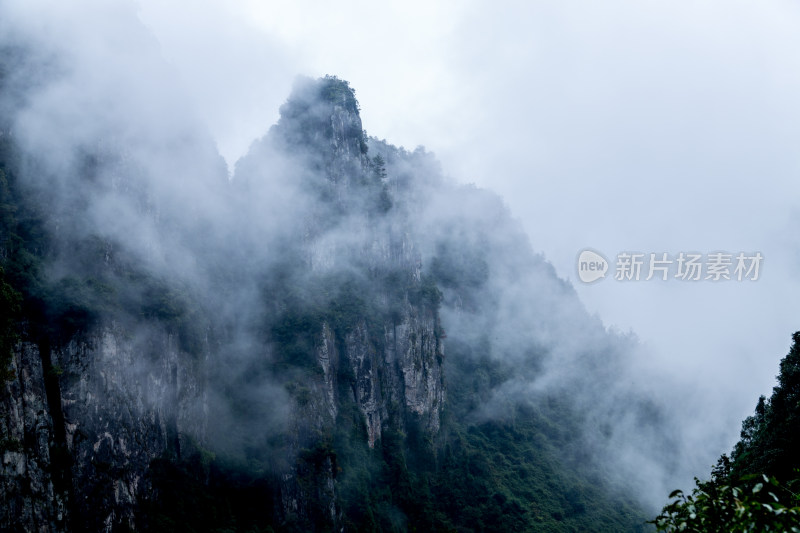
[336, 337]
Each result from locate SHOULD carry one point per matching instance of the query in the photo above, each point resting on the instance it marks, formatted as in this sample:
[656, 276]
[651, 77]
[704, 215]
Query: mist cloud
[570, 127]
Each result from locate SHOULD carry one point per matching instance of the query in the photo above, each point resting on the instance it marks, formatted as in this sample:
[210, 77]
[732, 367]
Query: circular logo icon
[592, 266]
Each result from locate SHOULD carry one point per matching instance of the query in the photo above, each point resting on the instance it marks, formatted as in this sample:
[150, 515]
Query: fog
[654, 127]
[650, 127]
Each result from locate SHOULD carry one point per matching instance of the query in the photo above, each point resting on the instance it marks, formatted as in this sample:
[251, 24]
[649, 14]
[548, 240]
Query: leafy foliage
[744, 493]
[756, 504]
[338, 91]
[770, 438]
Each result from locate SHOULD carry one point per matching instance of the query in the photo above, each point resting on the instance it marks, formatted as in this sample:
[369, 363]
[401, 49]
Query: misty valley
[332, 335]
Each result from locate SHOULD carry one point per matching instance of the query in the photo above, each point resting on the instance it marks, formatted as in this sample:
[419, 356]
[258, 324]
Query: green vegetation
[426, 294]
[9, 317]
[508, 476]
[378, 190]
[758, 488]
[100, 285]
[338, 91]
[770, 438]
[754, 504]
[9, 444]
[522, 470]
[343, 301]
[200, 494]
[492, 476]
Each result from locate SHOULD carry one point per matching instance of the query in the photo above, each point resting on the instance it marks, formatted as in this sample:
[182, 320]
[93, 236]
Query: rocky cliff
[86, 420]
[377, 340]
[90, 408]
[187, 351]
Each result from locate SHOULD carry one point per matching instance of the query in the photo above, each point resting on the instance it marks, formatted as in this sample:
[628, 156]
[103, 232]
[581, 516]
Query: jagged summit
[320, 132]
[321, 120]
[331, 89]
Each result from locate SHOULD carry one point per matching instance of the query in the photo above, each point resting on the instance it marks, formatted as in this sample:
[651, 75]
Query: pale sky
[624, 125]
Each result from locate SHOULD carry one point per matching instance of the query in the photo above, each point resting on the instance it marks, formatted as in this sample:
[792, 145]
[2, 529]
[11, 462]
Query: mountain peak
[322, 112]
[320, 122]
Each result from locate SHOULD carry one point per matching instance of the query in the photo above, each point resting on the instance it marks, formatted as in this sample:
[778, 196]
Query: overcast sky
[650, 126]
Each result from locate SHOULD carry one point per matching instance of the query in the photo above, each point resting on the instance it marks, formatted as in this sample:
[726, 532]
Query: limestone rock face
[388, 365]
[85, 431]
[29, 501]
[84, 418]
[125, 402]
